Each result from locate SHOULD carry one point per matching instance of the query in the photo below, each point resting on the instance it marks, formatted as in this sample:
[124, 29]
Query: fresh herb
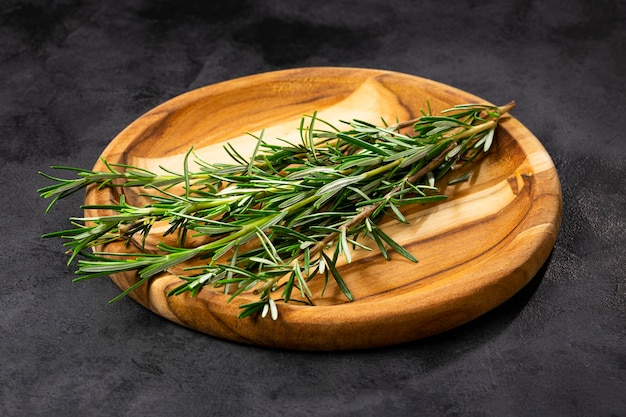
[284, 216]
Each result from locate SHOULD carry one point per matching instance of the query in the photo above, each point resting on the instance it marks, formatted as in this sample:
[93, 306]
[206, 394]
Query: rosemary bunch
[274, 221]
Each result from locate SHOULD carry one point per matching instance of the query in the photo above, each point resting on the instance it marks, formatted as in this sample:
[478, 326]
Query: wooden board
[475, 250]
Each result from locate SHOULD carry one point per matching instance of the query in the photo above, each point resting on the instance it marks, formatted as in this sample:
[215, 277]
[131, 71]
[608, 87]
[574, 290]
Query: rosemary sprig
[273, 222]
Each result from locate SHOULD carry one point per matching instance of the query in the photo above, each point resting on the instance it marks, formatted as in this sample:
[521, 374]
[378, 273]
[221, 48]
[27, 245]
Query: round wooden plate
[475, 250]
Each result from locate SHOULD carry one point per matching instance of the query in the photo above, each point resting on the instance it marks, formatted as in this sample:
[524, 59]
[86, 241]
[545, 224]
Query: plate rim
[295, 315]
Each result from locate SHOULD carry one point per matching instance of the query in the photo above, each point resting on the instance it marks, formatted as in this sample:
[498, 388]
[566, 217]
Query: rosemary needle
[284, 216]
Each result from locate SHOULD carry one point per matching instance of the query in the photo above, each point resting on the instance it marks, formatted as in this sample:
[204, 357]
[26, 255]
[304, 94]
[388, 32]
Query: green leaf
[337, 276]
[399, 216]
[420, 200]
[251, 308]
[393, 244]
[459, 179]
[363, 144]
[338, 185]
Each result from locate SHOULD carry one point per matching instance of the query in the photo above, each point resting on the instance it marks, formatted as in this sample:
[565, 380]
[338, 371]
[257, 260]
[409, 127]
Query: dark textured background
[74, 73]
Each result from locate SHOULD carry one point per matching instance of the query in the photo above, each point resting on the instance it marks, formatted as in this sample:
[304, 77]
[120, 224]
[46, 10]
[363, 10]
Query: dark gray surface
[73, 74]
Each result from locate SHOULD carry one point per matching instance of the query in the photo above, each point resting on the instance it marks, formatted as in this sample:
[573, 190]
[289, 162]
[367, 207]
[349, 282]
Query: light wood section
[476, 249]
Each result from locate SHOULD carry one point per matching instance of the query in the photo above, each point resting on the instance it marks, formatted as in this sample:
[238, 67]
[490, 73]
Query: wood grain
[475, 250]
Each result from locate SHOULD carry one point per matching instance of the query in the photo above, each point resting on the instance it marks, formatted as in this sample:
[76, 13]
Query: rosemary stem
[507, 107]
[367, 211]
[245, 231]
[252, 226]
[467, 133]
[360, 217]
[294, 204]
[373, 172]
